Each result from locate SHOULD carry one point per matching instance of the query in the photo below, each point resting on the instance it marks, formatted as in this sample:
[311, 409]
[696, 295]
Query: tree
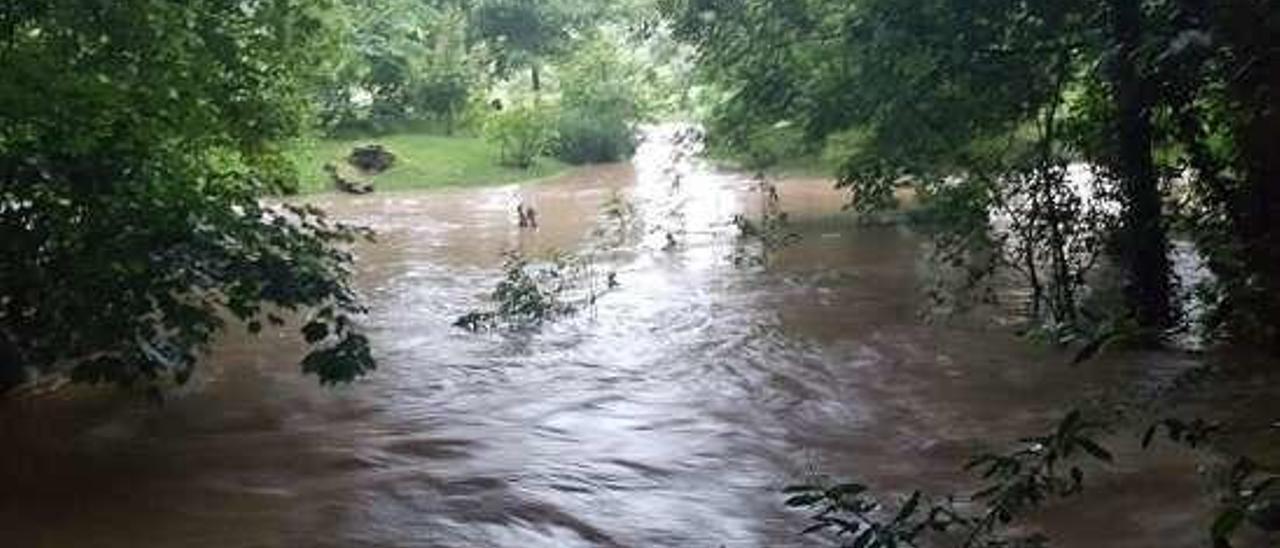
[137, 139]
[992, 102]
[1145, 247]
[526, 33]
[599, 102]
[523, 131]
[450, 76]
[963, 102]
[1164, 109]
[1223, 60]
[398, 61]
[521, 33]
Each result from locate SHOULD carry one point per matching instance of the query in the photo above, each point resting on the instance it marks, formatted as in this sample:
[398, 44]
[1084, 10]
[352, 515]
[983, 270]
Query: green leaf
[987, 492]
[848, 489]
[909, 508]
[1226, 523]
[804, 500]
[864, 540]
[1092, 447]
[815, 528]
[315, 332]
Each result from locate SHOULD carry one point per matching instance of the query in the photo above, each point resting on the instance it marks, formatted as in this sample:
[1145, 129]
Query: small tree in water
[530, 294]
[771, 231]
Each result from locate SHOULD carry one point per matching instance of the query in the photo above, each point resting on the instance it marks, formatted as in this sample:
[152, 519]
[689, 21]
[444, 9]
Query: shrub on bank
[587, 139]
[522, 132]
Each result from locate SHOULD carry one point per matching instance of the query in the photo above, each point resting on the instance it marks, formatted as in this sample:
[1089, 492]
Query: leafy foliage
[599, 104]
[136, 140]
[529, 295]
[399, 61]
[523, 297]
[759, 239]
[1163, 102]
[444, 65]
[522, 31]
[1040, 469]
[522, 131]
[1037, 471]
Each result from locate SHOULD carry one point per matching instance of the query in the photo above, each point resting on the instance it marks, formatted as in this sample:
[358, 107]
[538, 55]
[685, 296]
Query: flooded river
[669, 414]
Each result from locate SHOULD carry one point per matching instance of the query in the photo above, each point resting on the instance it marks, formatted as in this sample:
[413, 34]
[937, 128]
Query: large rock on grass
[349, 179]
[371, 159]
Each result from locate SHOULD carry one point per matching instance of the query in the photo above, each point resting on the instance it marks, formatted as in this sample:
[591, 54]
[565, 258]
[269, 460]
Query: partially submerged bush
[759, 239]
[530, 294]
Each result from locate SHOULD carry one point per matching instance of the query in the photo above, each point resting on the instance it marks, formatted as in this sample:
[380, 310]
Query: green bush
[764, 146]
[585, 139]
[131, 218]
[444, 97]
[600, 104]
[522, 132]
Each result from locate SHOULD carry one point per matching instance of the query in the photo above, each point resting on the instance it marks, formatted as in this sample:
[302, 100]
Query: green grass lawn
[422, 161]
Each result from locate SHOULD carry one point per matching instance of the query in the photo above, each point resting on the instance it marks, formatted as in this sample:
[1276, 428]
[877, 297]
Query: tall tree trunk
[11, 368]
[1051, 178]
[1144, 250]
[536, 75]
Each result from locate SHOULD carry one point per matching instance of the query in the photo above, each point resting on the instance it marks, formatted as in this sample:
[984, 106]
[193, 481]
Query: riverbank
[423, 161]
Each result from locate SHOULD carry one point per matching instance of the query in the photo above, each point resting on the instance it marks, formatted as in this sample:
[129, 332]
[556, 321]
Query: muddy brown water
[670, 414]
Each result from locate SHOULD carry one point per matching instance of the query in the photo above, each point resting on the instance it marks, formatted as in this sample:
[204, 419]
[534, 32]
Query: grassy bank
[423, 161]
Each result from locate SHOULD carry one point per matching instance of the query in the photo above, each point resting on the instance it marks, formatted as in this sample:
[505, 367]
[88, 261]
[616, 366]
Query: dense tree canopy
[1066, 143]
[136, 140]
[396, 61]
[985, 107]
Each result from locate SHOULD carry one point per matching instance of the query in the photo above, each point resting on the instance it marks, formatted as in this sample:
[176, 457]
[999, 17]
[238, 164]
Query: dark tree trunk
[1144, 244]
[536, 76]
[11, 370]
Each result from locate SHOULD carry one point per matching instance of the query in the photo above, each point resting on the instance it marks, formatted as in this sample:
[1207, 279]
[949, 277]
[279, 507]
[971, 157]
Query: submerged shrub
[759, 239]
[530, 294]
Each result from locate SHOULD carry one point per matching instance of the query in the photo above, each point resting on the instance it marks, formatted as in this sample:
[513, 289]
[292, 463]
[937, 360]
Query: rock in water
[349, 179]
[371, 159]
